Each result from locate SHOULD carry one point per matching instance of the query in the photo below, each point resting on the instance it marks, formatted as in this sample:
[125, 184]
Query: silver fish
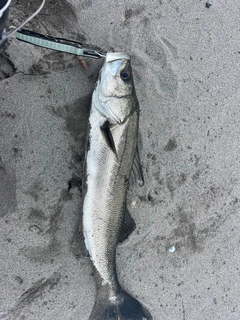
[112, 152]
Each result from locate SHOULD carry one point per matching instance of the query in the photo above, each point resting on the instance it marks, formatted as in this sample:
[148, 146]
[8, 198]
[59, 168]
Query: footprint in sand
[153, 57]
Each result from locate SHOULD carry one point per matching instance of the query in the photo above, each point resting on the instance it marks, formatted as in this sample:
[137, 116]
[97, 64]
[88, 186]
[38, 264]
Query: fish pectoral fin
[137, 172]
[128, 225]
[107, 134]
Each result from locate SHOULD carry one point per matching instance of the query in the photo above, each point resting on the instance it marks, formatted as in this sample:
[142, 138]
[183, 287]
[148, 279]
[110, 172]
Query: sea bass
[111, 153]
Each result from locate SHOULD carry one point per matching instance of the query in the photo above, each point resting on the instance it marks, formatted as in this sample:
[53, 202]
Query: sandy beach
[183, 259]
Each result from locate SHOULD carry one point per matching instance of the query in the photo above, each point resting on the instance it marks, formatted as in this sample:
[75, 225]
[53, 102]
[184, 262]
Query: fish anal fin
[137, 172]
[128, 225]
[107, 134]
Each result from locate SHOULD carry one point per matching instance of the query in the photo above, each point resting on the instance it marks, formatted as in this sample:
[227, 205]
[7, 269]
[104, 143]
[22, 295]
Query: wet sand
[185, 59]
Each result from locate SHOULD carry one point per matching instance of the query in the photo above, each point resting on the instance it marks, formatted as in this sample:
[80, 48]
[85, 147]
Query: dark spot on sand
[170, 185]
[66, 195]
[7, 68]
[2, 165]
[34, 190]
[42, 254]
[17, 153]
[54, 219]
[37, 69]
[145, 21]
[86, 4]
[36, 215]
[150, 198]
[75, 115]
[94, 77]
[19, 279]
[35, 229]
[7, 114]
[142, 198]
[152, 157]
[235, 201]
[53, 62]
[182, 178]
[77, 157]
[208, 5]
[196, 175]
[171, 145]
[185, 235]
[129, 13]
[8, 196]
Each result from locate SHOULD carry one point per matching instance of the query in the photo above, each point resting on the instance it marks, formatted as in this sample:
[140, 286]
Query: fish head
[115, 92]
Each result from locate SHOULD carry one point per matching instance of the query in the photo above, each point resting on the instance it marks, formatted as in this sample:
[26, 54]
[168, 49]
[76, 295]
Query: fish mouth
[114, 56]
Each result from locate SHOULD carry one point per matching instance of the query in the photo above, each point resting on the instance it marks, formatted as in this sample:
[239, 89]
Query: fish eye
[125, 76]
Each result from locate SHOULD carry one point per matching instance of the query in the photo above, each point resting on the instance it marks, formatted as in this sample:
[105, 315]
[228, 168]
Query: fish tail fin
[121, 307]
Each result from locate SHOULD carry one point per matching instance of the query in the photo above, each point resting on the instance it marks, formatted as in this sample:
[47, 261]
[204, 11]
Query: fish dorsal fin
[128, 225]
[107, 134]
[136, 173]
